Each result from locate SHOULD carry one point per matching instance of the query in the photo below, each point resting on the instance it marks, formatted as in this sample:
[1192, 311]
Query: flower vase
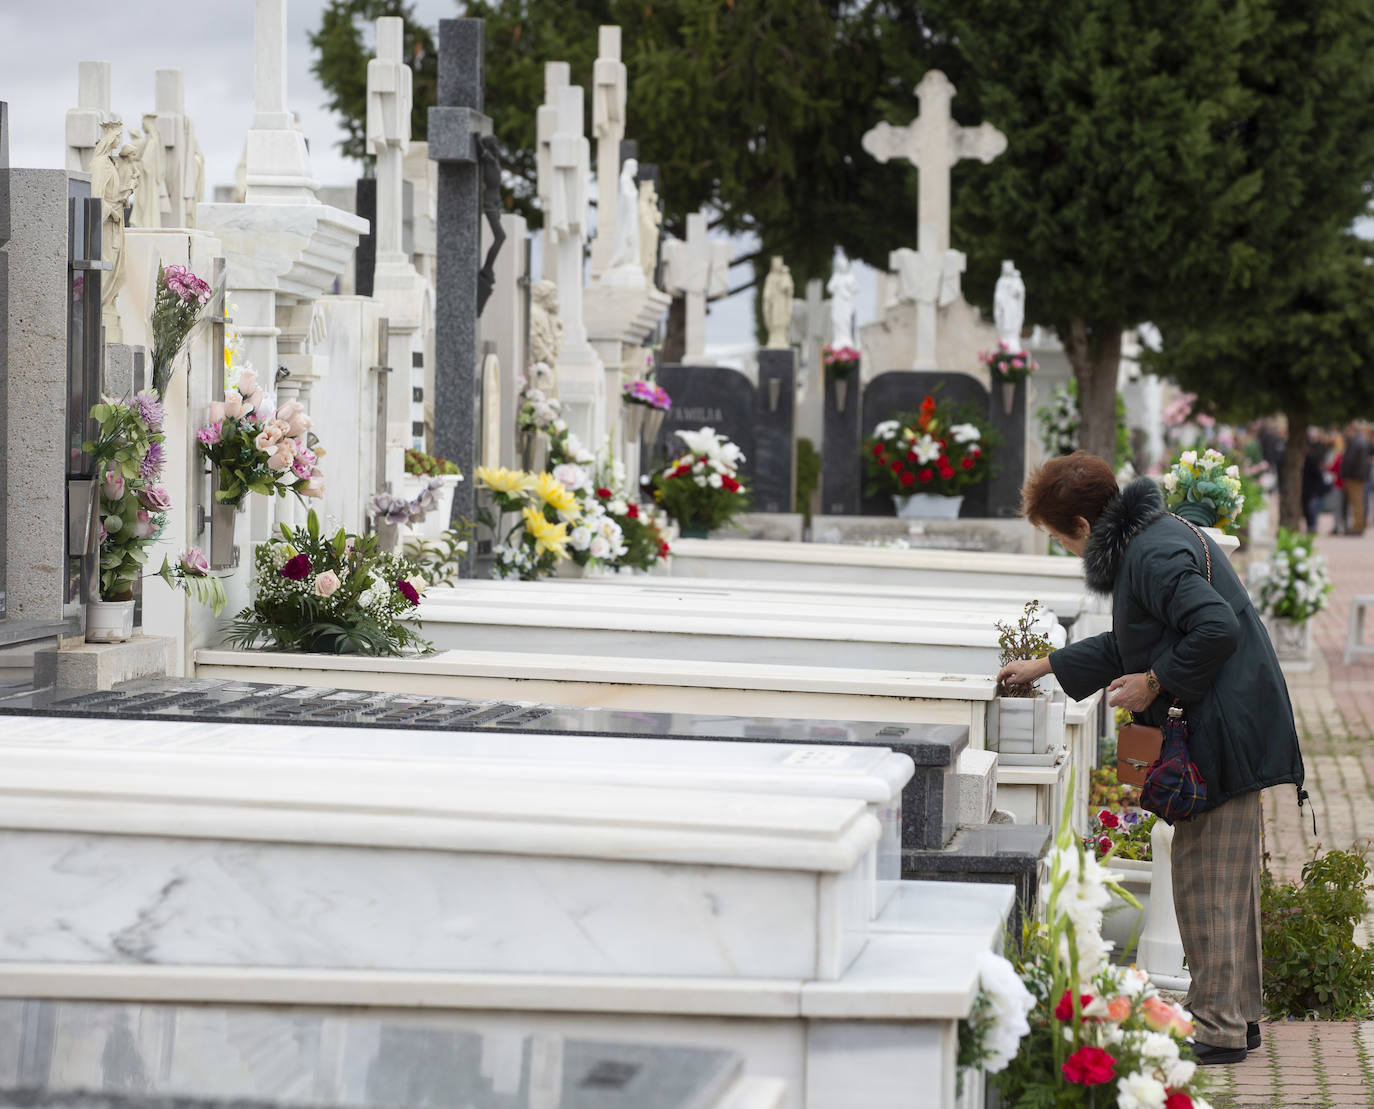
[82, 519]
[1008, 396]
[1292, 641]
[109, 621]
[692, 531]
[927, 506]
[1121, 923]
[1019, 725]
[388, 535]
[526, 448]
[841, 393]
[653, 423]
[223, 517]
[436, 521]
[634, 415]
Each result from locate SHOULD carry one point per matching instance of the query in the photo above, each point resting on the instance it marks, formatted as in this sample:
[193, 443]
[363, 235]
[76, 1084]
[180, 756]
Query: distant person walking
[1354, 474]
[1313, 482]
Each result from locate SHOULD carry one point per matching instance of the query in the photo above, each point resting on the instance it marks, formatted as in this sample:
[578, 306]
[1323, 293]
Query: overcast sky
[41, 42]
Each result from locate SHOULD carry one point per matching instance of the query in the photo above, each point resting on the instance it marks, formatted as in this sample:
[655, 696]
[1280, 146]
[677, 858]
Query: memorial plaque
[705, 396]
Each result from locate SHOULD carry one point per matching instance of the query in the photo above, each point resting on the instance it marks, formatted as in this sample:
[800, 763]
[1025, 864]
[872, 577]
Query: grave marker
[608, 122]
[706, 396]
[775, 440]
[697, 269]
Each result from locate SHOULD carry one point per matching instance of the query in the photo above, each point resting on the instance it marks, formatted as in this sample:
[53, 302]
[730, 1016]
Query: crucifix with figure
[934, 143]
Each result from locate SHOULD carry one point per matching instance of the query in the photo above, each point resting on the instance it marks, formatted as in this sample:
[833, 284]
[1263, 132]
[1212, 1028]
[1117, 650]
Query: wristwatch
[1152, 682]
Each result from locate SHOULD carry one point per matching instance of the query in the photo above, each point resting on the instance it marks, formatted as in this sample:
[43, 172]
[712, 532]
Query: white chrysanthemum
[887, 429]
[1140, 1091]
[580, 537]
[966, 433]
[599, 548]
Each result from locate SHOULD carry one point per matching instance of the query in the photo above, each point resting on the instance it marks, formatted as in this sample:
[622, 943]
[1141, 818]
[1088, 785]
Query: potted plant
[701, 489]
[1010, 367]
[334, 594]
[430, 482]
[1124, 834]
[925, 461]
[1290, 589]
[1020, 720]
[840, 364]
[1205, 490]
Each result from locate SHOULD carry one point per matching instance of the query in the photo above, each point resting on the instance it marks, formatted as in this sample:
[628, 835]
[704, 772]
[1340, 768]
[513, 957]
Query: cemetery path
[1321, 1063]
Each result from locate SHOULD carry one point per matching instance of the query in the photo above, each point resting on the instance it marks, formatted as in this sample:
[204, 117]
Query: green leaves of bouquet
[330, 594]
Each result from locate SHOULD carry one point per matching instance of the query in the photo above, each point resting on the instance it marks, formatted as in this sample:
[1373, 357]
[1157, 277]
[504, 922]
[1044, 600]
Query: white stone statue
[546, 329]
[149, 164]
[843, 287]
[777, 304]
[626, 252]
[112, 182]
[1009, 305]
[650, 221]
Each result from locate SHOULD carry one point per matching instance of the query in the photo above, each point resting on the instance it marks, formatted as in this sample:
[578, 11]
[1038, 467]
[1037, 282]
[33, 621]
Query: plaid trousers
[1216, 871]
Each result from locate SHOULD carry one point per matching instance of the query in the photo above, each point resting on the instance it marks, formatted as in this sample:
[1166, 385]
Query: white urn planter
[1121, 923]
[927, 506]
[436, 522]
[109, 621]
[1025, 730]
[1292, 641]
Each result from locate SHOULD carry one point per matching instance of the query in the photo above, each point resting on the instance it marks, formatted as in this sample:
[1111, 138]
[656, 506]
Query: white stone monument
[557, 75]
[608, 124]
[777, 305]
[843, 287]
[1009, 305]
[698, 269]
[185, 162]
[91, 113]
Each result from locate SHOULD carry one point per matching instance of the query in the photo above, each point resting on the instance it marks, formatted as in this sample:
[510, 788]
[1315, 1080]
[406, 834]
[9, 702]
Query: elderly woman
[1176, 636]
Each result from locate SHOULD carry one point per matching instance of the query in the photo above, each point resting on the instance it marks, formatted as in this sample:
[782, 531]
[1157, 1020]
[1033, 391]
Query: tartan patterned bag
[1174, 789]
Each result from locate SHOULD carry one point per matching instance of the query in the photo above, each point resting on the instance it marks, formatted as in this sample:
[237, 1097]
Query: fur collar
[1132, 510]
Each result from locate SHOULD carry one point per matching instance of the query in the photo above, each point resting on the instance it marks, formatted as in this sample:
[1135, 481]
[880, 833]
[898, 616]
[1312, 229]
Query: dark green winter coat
[1205, 643]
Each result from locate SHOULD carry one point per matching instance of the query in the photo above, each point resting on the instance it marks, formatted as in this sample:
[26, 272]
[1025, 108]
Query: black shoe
[1207, 1055]
[1252, 1036]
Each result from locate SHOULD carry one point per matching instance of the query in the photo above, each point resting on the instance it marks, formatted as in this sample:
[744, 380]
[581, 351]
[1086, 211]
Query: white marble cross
[608, 122]
[388, 133]
[92, 111]
[698, 269]
[557, 75]
[933, 142]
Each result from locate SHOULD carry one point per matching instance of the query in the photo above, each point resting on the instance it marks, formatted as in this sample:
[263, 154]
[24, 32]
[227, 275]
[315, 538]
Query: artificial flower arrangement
[331, 594]
[191, 573]
[938, 450]
[540, 409]
[839, 362]
[1295, 584]
[1008, 366]
[392, 509]
[534, 540]
[642, 526]
[701, 489]
[1098, 1034]
[253, 449]
[1204, 489]
[1123, 834]
[596, 538]
[647, 394]
[1059, 421]
[178, 306]
[429, 465]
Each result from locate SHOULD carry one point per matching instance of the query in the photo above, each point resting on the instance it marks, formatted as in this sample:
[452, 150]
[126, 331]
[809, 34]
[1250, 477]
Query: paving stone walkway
[1322, 1063]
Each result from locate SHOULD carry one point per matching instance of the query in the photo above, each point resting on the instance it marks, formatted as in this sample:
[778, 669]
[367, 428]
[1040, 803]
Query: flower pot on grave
[223, 518]
[1121, 923]
[1292, 639]
[82, 518]
[388, 535]
[436, 520]
[927, 506]
[653, 422]
[109, 621]
[841, 393]
[1008, 396]
[635, 417]
[1019, 725]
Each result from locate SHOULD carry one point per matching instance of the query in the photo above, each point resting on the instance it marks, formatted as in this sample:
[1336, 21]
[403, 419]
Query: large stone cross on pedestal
[388, 133]
[608, 123]
[454, 127]
[697, 269]
[934, 143]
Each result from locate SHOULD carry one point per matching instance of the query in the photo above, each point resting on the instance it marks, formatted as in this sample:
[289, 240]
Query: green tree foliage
[341, 65]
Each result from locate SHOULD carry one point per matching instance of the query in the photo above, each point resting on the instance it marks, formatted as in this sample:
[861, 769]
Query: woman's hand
[1132, 692]
[1023, 671]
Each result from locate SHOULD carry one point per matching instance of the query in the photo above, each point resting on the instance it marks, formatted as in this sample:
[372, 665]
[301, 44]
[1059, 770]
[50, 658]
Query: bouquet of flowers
[177, 308]
[1205, 490]
[1099, 1034]
[536, 540]
[418, 462]
[1008, 366]
[839, 362]
[1295, 584]
[191, 573]
[642, 527]
[1122, 835]
[937, 450]
[1059, 423]
[392, 509]
[253, 449]
[647, 394]
[701, 489]
[540, 410]
[128, 457]
[332, 594]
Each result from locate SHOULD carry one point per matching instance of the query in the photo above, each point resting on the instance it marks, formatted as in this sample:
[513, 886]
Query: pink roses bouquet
[178, 307]
[255, 449]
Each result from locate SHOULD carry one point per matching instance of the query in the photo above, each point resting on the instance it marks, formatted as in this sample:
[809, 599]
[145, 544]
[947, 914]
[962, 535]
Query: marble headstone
[706, 396]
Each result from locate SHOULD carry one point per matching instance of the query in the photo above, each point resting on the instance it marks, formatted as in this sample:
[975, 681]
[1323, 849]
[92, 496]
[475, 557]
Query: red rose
[298, 569]
[967, 462]
[877, 450]
[908, 478]
[1108, 819]
[943, 460]
[632, 511]
[1091, 1066]
[603, 494]
[1064, 1010]
[1178, 1100]
[911, 456]
[729, 483]
[897, 467]
[925, 475]
[407, 591]
[946, 473]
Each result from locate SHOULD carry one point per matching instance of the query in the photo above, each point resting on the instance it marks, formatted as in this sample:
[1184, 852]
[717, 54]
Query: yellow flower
[547, 536]
[550, 491]
[500, 480]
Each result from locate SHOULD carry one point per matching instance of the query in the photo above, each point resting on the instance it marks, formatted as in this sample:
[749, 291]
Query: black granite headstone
[1009, 471]
[775, 439]
[705, 396]
[365, 259]
[841, 471]
[901, 391]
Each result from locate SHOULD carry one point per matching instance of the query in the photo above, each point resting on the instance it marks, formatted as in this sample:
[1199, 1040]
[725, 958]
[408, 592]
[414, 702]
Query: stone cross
[454, 127]
[569, 161]
[697, 269]
[185, 163]
[276, 159]
[388, 134]
[934, 143]
[608, 122]
[557, 75]
[92, 111]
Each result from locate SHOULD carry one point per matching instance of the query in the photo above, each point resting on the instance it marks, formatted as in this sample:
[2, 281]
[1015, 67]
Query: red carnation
[407, 591]
[896, 467]
[1064, 1010]
[925, 475]
[967, 462]
[943, 460]
[729, 483]
[663, 549]
[1091, 1066]
[908, 478]
[603, 494]
[946, 473]
[877, 450]
[297, 569]
[1177, 1099]
[911, 456]
[1108, 819]
[632, 511]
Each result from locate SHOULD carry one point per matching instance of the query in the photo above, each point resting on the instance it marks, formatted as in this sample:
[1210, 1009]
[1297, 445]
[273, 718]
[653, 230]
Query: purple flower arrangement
[647, 394]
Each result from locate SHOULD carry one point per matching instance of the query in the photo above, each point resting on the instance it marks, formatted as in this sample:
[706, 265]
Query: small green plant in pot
[1019, 715]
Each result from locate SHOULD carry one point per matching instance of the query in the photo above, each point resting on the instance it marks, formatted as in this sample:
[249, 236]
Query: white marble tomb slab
[189, 859]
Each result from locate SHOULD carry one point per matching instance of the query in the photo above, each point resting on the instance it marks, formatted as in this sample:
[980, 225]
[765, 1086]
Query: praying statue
[1009, 305]
[842, 287]
[149, 163]
[777, 304]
